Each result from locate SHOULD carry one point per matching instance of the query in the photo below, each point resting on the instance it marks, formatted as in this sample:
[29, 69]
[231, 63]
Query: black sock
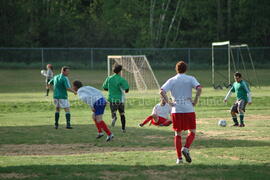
[68, 119]
[47, 92]
[235, 120]
[56, 117]
[114, 116]
[123, 121]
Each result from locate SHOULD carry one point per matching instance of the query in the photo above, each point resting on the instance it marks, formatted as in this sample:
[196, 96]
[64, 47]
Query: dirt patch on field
[16, 176]
[108, 175]
[66, 149]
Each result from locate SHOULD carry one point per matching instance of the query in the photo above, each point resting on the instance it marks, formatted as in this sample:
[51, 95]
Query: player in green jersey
[61, 85]
[117, 86]
[243, 95]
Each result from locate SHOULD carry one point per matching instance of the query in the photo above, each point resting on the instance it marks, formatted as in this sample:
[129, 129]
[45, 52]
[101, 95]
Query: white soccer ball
[43, 72]
[222, 123]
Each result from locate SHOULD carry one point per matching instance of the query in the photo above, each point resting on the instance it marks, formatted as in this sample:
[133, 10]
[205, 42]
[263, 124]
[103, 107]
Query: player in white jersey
[49, 75]
[94, 98]
[183, 115]
[160, 115]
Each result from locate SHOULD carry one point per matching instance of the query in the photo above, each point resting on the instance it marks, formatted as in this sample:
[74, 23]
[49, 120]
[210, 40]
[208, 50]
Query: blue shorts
[99, 106]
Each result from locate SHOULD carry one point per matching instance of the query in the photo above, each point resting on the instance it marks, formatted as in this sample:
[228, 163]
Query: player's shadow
[134, 137]
[105, 170]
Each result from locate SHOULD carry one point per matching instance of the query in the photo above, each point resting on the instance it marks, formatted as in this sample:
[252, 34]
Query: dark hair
[77, 84]
[181, 67]
[238, 74]
[117, 68]
[64, 68]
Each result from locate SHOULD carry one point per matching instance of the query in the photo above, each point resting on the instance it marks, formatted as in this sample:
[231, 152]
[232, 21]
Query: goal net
[228, 59]
[136, 70]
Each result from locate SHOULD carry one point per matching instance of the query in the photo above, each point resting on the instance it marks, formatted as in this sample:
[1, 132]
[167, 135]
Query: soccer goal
[136, 70]
[227, 59]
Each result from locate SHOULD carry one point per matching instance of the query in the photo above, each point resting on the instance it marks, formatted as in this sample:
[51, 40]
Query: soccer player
[94, 98]
[49, 75]
[61, 85]
[160, 115]
[183, 115]
[243, 95]
[116, 84]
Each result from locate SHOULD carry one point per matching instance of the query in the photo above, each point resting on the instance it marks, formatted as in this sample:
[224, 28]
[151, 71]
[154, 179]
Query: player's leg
[68, 117]
[233, 113]
[167, 122]
[176, 119]
[241, 110]
[57, 113]
[121, 109]
[100, 133]
[47, 87]
[149, 118]
[113, 107]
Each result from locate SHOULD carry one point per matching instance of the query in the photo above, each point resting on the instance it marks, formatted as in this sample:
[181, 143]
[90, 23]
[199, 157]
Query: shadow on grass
[134, 137]
[111, 171]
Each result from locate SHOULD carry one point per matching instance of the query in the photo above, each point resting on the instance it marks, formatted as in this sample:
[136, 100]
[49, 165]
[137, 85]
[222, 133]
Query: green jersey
[115, 84]
[241, 89]
[60, 84]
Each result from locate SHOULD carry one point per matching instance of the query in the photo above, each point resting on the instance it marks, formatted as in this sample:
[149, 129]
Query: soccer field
[30, 148]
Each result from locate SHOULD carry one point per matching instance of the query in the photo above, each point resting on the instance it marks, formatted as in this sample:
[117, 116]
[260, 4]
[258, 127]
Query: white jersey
[180, 87]
[162, 111]
[89, 95]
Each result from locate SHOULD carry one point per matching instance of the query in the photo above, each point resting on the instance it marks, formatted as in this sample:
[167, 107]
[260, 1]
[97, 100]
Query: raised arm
[228, 94]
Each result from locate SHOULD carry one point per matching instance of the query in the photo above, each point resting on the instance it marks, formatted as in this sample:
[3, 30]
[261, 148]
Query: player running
[160, 115]
[183, 115]
[94, 98]
[117, 86]
[243, 95]
[61, 85]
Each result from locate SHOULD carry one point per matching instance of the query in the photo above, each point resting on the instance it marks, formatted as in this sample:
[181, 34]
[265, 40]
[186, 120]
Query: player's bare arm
[198, 94]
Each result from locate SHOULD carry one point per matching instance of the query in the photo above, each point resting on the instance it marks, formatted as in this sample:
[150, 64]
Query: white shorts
[61, 103]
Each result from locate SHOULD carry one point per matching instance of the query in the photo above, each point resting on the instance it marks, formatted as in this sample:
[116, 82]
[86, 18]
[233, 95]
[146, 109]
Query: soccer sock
[178, 146]
[241, 115]
[149, 118]
[104, 127]
[167, 123]
[68, 119]
[114, 115]
[98, 127]
[47, 92]
[123, 121]
[234, 118]
[189, 140]
[56, 117]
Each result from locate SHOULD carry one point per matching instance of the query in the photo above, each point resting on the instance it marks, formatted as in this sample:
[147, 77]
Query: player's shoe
[235, 125]
[140, 125]
[113, 121]
[69, 127]
[179, 161]
[123, 130]
[99, 135]
[185, 152]
[110, 137]
[242, 125]
[55, 126]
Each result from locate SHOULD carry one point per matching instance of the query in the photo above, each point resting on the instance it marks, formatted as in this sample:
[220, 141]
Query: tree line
[133, 23]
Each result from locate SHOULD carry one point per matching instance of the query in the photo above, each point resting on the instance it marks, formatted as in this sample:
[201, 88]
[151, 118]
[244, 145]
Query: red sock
[189, 139]
[149, 118]
[104, 127]
[98, 127]
[167, 123]
[178, 146]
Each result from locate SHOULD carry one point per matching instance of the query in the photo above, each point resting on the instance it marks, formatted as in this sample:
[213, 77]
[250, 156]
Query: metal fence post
[42, 58]
[92, 59]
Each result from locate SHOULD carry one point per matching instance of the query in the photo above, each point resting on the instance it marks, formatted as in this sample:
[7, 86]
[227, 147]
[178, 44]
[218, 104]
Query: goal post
[136, 70]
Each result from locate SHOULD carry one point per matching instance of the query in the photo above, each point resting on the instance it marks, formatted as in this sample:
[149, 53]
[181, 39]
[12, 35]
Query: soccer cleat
[140, 125]
[55, 126]
[235, 125]
[99, 135]
[242, 125]
[110, 137]
[69, 127]
[123, 131]
[179, 161]
[186, 154]
[113, 121]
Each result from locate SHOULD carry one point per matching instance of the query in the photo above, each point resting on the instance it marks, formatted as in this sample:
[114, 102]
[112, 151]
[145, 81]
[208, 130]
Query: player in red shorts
[160, 115]
[183, 115]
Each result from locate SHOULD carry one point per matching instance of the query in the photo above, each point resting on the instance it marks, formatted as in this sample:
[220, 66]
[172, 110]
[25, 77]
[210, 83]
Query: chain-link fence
[95, 58]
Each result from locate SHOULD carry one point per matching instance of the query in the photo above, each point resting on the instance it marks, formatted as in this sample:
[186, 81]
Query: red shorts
[183, 121]
[161, 120]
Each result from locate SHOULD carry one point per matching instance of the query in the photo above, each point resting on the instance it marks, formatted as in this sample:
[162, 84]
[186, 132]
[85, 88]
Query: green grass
[31, 149]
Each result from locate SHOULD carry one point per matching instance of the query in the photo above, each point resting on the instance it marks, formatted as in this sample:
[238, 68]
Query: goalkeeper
[241, 88]
[160, 115]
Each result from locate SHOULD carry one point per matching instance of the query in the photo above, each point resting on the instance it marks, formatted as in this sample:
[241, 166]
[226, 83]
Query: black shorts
[117, 106]
[239, 104]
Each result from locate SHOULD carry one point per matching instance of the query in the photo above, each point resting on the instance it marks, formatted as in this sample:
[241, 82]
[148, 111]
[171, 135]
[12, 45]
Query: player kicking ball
[94, 98]
[160, 115]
